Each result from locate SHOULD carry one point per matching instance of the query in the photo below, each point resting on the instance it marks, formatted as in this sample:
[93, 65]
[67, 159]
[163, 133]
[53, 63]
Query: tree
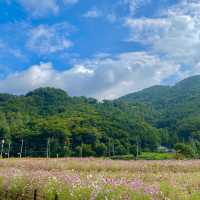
[84, 150]
[185, 149]
[100, 149]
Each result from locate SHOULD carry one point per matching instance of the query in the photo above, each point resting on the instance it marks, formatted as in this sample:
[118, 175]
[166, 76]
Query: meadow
[96, 179]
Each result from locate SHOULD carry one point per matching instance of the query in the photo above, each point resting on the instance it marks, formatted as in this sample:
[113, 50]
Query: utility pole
[21, 149]
[2, 144]
[9, 150]
[109, 147]
[48, 148]
[113, 149]
[194, 145]
[81, 150]
[137, 148]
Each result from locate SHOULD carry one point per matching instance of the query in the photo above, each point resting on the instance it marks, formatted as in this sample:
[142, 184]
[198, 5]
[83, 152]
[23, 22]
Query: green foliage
[156, 156]
[175, 111]
[100, 149]
[85, 150]
[51, 122]
[142, 121]
[123, 157]
[185, 150]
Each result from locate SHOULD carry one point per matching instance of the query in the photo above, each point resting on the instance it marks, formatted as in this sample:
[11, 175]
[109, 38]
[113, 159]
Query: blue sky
[98, 48]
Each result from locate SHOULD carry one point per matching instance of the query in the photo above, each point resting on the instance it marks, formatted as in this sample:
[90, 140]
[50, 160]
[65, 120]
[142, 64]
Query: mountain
[155, 96]
[162, 97]
[178, 107]
[74, 125]
[184, 97]
[80, 126]
[180, 100]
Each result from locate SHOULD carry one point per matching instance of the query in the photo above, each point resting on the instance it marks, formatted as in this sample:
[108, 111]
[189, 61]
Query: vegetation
[176, 112]
[157, 156]
[98, 179]
[48, 122]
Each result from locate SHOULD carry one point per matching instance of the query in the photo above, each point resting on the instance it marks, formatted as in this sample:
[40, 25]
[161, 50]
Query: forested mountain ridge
[49, 119]
[178, 107]
[163, 96]
[76, 126]
[179, 101]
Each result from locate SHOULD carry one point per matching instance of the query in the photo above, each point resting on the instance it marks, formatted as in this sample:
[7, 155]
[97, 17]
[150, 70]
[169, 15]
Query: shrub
[101, 149]
[123, 157]
[156, 156]
[185, 149]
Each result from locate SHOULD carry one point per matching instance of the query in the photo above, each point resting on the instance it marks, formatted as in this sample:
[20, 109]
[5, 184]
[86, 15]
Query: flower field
[96, 179]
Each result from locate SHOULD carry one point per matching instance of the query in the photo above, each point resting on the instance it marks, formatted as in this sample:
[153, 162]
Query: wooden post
[35, 194]
[56, 196]
[6, 195]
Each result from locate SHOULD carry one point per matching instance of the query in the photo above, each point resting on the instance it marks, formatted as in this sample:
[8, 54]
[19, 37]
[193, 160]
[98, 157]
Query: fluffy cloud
[93, 13]
[41, 8]
[38, 8]
[6, 49]
[146, 30]
[174, 36]
[103, 77]
[49, 39]
[134, 5]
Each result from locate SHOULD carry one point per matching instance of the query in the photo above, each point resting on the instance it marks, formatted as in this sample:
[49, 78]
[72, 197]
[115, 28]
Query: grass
[96, 179]
[156, 156]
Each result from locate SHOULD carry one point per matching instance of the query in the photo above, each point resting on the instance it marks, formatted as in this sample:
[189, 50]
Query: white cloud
[174, 36]
[93, 13]
[146, 30]
[49, 39]
[134, 5]
[172, 40]
[6, 49]
[103, 78]
[40, 8]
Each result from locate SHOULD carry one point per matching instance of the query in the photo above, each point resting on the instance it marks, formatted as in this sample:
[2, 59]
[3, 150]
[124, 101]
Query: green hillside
[49, 120]
[73, 126]
[178, 107]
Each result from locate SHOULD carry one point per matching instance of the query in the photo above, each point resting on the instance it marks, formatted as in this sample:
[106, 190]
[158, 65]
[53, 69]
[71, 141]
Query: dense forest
[48, 122]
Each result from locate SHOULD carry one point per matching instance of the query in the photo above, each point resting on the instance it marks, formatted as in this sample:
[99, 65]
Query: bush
[156, 156]
[101, 149]
[123, 157]
[133, 150]
[85, 150]
[185, 150]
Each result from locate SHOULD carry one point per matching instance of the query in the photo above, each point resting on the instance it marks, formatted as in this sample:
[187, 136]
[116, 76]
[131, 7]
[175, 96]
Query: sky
[97, 48]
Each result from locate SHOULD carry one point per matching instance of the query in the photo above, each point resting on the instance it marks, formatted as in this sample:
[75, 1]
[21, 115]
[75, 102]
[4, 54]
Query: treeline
[177, 111]
[49, 121]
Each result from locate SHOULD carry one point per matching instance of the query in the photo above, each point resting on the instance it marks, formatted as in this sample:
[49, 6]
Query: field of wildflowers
[96, 179]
